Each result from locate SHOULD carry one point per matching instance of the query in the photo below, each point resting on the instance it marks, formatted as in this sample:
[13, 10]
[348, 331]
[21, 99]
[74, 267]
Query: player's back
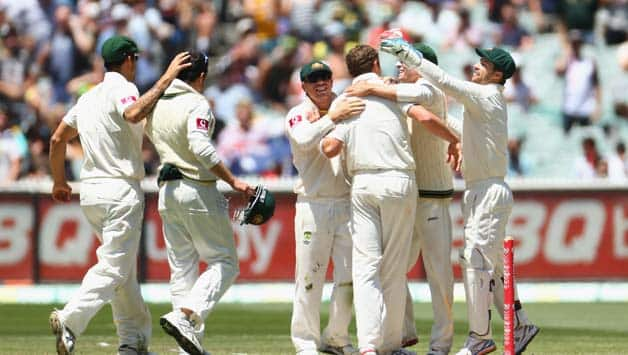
[377, 139]
[112, 145]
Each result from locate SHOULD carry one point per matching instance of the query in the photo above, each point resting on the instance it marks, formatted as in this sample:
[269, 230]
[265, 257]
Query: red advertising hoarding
[558, 236]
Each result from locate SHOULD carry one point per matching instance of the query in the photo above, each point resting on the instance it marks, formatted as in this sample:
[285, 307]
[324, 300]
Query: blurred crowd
[49, 56]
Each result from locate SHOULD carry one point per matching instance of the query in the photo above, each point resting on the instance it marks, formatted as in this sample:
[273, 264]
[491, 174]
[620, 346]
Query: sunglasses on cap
[318, 76]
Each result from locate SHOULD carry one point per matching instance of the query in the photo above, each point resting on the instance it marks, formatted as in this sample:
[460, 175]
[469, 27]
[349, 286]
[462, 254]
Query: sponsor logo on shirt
[128, 100]
[294, 120]
[202, 123]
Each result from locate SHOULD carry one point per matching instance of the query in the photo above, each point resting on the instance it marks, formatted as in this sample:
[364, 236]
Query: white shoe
[523, 336]
[338, 350]
[65, 337]
[178, 326]
[403, 351]
[474, 346]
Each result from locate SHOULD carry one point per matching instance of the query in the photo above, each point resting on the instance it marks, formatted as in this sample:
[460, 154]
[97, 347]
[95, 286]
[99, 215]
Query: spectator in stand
[467, 36]
[13, 148]
[244, 144]
[510, 31]
[614, 21]
[545, 14]
[620, 87]
[517, 165]
[336, 41]
[517, 91]
[63, 57]
[37, 161]
[582, 96]
[587, 165]
[15, 77]
[618, 164]
[577, 15]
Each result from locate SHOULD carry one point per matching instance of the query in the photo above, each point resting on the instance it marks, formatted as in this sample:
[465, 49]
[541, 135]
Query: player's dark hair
[199, 66]
[360, 59]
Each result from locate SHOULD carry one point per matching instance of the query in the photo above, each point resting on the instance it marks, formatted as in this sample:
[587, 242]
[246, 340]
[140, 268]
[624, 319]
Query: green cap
[427, 51]
[501, 59]
[116, 48]
[260, 208]
[314, 66]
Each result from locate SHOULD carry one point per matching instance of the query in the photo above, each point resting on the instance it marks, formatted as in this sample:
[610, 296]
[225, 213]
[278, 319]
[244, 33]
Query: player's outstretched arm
[144, 105]
[61, 191]
[364, 88]
[225, 174]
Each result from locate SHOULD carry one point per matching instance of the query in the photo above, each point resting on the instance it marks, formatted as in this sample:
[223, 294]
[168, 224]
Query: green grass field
[566, 328]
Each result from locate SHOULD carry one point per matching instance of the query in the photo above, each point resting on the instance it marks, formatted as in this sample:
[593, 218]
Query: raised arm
[144, 105]
[461, 90]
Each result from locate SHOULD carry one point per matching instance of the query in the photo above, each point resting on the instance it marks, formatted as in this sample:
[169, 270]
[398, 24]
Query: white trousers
[383, 207]
[197, 227]
[321, 231]
[432, 239]
[115, 209]
[486, 207]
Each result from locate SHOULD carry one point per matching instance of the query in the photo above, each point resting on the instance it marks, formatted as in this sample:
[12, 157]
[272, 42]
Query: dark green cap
[501, 59]
[427, 51]
[116, 48]
[260, 208]
[314, 66]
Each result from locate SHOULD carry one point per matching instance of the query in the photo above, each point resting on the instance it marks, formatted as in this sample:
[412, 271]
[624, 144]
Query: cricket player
[487, 199]
[108, 120]
[432, 226]
[194, 213]
[322, 217]
[383, 199]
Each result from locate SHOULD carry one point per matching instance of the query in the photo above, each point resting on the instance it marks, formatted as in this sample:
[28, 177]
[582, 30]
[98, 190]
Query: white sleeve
[200, 124]
[307, 134]
[461, 90]
[415, 93]
[340, 132]
[71, 116]
[124, 96]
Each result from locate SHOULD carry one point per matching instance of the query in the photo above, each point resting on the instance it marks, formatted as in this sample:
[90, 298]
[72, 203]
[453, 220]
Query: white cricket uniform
[432, 227]
[321, 226]
[194, 213]
[383, 199]
[113, 203]
[487, 200]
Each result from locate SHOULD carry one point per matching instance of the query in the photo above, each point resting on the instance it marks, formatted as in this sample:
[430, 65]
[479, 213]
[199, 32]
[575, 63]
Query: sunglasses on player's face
[318, 76]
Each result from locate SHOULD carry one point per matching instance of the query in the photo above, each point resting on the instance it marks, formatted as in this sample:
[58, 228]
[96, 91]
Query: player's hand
[403, 51]
[359, 89]
[346, 107]
[243, 187]
[61, 192]
[178, 63]
[454, 155]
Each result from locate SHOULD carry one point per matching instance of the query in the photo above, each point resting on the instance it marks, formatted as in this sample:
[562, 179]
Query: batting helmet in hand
[260, 208]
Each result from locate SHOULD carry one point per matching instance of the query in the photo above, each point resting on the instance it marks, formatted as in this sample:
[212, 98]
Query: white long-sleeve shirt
[376, 139]
[112, 146]
[319, 177]
[180, 127]
[484, 126]
[433, 174]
